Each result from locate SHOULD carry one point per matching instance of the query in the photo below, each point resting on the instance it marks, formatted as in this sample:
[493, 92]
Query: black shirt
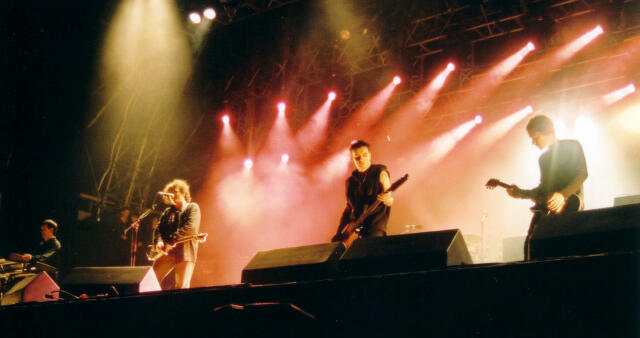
[46, 250]
[363, 189]
[559, 166]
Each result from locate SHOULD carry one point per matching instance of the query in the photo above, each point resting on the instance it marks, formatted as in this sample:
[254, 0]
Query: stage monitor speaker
[112, 280]
[312, 262]
[405, 253]
[587, 232]
[31, 288]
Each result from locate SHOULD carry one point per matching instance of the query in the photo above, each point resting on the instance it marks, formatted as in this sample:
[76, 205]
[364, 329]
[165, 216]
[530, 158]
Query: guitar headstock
[399, 182]
[202, 237]
[494, 182]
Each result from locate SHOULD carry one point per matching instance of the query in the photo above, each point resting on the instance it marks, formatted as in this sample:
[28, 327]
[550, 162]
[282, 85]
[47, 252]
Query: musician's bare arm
[385, 198]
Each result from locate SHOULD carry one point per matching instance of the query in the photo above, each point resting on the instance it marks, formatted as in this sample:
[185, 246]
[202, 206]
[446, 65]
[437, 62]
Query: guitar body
[155, 253]
[572, 204]
[349, 233]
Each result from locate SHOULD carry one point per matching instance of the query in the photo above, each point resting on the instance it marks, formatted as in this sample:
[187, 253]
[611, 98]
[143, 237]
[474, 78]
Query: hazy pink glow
[619, 94]
[280, 138]
[497, 74]
[228, 141]
[435, 150]
[359, 124]
[405, 117]
[276, 205]
[479, 90]
[491, 134]
[314, 131]
[576, 45]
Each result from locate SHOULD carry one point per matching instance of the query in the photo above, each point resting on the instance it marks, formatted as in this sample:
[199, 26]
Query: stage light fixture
[248, 163]
[531, 46]
[332, 96]
[451, 67]
[598, 30]
[284, 158]
[195, 18]
[478, 119]
[225, 119]
[281, 109]
[397, 80]
[209, 13]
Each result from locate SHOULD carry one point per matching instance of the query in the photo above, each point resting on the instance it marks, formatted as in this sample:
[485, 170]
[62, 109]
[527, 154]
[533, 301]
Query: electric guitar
[572, 203]
[351, 231]
[155, 253]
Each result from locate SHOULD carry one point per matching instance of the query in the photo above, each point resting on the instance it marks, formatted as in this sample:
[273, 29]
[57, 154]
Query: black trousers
[527, 241]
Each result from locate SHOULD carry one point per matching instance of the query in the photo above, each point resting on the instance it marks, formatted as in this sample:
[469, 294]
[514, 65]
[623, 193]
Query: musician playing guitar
[563, 170]
[366, 185]
[180, 220]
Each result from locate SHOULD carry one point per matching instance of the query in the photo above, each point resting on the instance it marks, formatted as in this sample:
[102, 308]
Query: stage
[586, 296]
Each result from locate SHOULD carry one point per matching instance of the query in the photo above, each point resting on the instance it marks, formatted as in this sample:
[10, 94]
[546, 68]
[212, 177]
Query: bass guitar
[351, 231]
[572, 203]
[155, 253]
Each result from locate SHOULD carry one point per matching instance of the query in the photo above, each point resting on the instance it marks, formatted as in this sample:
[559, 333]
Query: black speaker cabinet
[405, 253]
[587, 232]
[112, 280]
[31, 287]
[312, 262]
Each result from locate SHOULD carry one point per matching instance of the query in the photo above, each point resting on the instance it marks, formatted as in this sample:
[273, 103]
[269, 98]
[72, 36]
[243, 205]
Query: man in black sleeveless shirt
[563, 170]
[366, 184]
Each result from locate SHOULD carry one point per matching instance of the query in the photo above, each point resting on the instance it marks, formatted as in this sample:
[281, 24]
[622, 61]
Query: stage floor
[585, 296]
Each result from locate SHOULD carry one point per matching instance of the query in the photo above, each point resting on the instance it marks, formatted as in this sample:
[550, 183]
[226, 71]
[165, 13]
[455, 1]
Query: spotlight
[528, 110]
[478, 119]
[332, 96]
[281, 108]
[619, 94]
[195, 18]
[248, 163]
[284, 158]
[225, 119]
[451, 67]
[396, 80]
[598, 30]
[531, 46]
[209, 13]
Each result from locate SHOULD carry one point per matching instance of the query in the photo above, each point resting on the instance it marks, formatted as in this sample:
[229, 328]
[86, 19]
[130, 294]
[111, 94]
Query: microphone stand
[133, 248]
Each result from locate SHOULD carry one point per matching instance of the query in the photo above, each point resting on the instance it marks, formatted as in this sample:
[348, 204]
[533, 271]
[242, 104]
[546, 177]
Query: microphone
[162, 193]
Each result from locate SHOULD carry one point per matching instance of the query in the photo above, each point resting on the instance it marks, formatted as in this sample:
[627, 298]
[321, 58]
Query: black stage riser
[587, 232]
[572, 297]
[368, 256]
